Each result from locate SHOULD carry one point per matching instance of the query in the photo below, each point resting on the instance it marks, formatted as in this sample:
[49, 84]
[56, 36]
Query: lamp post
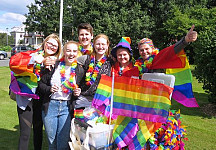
[61, 19]
[7, 35]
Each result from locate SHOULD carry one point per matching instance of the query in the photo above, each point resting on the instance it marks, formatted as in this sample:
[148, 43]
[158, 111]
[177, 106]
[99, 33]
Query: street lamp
[61, 19]
[7, 35]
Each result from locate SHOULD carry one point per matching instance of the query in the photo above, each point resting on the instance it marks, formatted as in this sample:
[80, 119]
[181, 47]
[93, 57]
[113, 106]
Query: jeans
[57, 124]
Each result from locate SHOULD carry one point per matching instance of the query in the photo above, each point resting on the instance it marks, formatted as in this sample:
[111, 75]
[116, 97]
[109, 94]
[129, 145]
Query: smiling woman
[57, 88]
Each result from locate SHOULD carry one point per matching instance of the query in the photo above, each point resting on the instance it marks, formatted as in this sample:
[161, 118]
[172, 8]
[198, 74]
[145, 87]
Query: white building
[22, 37]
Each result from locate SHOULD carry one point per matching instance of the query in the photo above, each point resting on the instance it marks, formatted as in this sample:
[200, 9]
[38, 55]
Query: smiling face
[145, 51]
[70, 53]
[51, 47]
[123, 56]
[101, 46]
[85, 37]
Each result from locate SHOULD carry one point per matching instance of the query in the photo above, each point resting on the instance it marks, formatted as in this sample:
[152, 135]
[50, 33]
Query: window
[23, 48]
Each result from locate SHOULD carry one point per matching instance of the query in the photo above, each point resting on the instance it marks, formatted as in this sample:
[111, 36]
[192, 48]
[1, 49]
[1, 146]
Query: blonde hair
[72, 42]
[55, 37]
[106, 38]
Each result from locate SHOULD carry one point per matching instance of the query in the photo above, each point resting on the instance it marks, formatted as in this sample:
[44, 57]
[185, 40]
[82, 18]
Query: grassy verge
[201, 128]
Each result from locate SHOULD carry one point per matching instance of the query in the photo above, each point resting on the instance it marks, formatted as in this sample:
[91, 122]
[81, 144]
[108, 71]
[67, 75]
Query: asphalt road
[4, 62]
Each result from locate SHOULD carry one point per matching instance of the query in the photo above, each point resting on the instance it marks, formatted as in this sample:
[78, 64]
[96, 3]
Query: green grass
[9, 124]
[201, 128]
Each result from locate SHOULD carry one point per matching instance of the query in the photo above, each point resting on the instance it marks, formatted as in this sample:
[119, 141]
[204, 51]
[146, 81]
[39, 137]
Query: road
[4, 62]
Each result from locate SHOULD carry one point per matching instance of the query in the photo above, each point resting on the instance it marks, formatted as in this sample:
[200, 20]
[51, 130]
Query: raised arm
[190, 37]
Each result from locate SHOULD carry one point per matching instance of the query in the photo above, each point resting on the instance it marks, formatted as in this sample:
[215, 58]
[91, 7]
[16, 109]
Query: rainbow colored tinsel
[170, 135]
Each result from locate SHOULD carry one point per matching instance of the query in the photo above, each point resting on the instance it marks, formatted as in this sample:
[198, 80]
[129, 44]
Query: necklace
[144, 66]
[68, 85]
[92, 72]
[37, 67]
[86, 51]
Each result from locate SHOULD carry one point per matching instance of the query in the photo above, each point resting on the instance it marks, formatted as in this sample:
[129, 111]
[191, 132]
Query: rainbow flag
[125, 130]
[23, 79]
[78, 114]
[183, 92]
[23, 86]
[133, 132]
[141, 106]
[134, 98]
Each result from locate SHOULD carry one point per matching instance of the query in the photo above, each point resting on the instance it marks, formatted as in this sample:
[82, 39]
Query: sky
[12, 13]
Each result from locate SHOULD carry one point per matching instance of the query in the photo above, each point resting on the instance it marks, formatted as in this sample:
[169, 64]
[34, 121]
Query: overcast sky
[12, 13]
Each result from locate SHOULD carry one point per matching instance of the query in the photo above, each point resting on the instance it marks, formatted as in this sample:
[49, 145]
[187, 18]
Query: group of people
[70, 82]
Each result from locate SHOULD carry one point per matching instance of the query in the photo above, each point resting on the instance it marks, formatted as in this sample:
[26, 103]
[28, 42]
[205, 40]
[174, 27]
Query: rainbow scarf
[93, 71]
[183, 92]
[86, 51]
[68, 85]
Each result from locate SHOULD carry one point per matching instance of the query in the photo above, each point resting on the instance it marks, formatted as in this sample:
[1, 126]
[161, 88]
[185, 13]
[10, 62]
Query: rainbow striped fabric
[78, 114]
[23, 86]
[183, 92]
[133, 132]
[23, 79]
[134, 98]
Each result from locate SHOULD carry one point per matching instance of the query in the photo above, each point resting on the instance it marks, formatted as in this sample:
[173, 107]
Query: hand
[49, 61]
[77, 91]
[39, 59]
[54, 88]
[191, 35]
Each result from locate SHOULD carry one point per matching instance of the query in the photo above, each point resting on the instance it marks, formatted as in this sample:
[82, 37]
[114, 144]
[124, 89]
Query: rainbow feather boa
[93, 71]
[68, 85]
[144, 66]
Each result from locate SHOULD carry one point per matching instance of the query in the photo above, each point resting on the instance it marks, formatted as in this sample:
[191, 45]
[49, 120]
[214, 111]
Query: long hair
[108, 42]
[55, 37]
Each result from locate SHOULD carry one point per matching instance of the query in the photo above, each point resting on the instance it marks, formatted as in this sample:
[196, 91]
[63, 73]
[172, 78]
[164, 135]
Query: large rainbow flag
[134, 98]
[183, 92]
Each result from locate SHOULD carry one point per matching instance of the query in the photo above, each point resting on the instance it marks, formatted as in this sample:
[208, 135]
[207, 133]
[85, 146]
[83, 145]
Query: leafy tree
[205, 51]
[3, 39]
[43, 16]
[114, 18]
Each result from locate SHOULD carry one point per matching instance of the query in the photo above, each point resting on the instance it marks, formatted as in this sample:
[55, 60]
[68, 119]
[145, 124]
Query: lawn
[201, 128]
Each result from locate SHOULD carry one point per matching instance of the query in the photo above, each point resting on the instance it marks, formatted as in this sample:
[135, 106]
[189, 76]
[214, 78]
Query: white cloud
[8, 18]
[12, 12]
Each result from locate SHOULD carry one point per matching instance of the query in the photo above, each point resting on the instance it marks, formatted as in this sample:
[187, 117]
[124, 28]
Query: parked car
[3, 55]
[17, 49]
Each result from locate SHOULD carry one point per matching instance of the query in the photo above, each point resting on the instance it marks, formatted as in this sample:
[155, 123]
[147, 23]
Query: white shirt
[56, 80]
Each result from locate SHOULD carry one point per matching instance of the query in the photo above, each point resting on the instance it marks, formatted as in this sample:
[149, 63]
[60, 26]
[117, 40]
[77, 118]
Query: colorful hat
[124, 43]
[147, 41]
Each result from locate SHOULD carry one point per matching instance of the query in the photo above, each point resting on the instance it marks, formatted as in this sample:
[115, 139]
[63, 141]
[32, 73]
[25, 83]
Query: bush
[205, 70]
[6, 48]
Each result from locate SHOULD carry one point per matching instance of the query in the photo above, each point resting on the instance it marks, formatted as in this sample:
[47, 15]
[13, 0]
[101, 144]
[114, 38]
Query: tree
[114, 18]
[3, 39]
[205, 51]
[43, 16]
